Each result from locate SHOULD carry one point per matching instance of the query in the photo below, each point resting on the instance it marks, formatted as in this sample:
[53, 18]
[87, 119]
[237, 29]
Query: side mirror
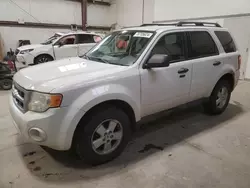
[60, 44]
[156, 61]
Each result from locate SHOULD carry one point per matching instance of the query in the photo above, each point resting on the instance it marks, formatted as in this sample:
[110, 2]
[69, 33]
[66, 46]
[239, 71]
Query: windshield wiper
[97, 59]
[100, 60]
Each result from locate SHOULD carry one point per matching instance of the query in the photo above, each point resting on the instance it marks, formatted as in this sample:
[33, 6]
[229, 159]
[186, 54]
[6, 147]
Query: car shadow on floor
[158, 133]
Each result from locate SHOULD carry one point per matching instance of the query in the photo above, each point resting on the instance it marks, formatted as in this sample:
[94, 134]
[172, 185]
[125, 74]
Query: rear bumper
[236, 78]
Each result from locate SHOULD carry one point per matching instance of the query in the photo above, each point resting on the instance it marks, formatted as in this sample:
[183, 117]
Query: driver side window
[172, 45]
[67, 40]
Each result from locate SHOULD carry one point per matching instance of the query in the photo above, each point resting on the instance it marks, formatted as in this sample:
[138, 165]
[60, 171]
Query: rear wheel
[219, 99]
[43, 59]
[103, 137]
[6, 84]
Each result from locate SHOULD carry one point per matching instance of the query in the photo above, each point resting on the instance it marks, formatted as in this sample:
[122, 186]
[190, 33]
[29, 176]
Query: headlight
[26, 51]
[40, 102]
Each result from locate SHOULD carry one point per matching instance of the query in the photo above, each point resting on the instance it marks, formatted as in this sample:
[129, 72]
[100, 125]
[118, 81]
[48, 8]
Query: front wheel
[43, 59]
[219, 99]
[103, 137]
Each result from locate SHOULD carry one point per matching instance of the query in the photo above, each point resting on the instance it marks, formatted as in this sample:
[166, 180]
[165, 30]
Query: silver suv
[91, 104]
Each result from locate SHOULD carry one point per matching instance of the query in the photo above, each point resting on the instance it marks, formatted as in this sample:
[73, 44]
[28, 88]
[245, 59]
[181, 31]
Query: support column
[84, 15]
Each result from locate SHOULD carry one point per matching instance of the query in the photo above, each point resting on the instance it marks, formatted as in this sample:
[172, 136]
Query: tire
[213, 106]
[90, 132]
[42, 59]
[6, 84]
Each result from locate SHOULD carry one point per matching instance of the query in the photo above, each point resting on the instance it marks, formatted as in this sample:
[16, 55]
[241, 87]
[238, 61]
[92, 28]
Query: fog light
[37, 134]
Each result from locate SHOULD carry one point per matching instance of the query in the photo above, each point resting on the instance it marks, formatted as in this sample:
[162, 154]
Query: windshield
[120, 48]
[51, 39]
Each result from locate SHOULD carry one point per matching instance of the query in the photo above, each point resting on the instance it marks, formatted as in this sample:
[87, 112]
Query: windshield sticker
[143, 34]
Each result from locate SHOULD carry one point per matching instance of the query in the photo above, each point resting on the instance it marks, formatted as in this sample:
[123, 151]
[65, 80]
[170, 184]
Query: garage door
[240, 29]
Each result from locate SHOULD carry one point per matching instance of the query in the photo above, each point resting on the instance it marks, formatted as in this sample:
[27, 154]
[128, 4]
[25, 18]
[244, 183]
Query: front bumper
[24, 60]
[50, 122]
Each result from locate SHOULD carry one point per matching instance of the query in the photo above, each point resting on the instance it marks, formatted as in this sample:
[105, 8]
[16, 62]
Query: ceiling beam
[98, 2]
[48, 25]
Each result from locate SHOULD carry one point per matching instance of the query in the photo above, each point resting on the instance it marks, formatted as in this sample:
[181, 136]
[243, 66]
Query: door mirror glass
[157, 60]
[60, 44]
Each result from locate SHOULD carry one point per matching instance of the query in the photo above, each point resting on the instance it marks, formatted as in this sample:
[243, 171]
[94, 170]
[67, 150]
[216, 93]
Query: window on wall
[226, 41]
[85, 38]
[171, 45]
[201, 45]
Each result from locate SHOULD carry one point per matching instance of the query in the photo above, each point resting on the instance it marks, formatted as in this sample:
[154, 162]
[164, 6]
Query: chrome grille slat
[20, 97]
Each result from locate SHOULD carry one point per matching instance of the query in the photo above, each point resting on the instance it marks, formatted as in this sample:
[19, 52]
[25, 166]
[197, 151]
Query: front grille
[20, 97]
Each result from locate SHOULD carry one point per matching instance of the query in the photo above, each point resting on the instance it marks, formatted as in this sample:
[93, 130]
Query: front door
[66, 47]
[166, 87]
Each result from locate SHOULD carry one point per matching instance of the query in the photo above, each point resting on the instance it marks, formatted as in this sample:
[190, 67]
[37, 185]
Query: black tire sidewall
[7, 87]
[213, 97]
[42, 56]
[83, 145]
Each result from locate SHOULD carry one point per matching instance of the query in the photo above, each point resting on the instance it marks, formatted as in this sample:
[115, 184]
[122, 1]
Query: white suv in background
[91, 104]
[61, 45]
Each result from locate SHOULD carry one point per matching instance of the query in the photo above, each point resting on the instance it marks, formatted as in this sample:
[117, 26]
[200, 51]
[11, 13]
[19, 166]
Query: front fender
[44, 50]
[93, 97]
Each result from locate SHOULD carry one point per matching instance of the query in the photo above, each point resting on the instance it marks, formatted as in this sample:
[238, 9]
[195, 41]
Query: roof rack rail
[198, 23]
[155, 24]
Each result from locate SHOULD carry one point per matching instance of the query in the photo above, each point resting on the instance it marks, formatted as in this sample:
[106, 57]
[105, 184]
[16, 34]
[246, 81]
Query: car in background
[6, 76]
[59, 46]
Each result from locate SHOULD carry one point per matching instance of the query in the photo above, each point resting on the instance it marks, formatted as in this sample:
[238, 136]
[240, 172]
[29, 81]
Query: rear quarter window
[226, 41]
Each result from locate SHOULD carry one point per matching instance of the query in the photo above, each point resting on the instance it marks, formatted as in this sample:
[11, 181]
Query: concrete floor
[184, 149]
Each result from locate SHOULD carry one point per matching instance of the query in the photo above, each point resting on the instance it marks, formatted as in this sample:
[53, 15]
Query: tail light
[239, 62]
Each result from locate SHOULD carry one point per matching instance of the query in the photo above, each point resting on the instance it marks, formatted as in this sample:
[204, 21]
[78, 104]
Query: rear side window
[201, 44]
[85, 38]
[226, 41]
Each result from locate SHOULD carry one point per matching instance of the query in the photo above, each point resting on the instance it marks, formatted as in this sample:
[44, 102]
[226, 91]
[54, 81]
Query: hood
[32, 46]
[56, 74]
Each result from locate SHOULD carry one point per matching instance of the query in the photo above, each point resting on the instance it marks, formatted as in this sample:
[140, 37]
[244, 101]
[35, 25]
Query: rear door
[86, 42]
[204, 55]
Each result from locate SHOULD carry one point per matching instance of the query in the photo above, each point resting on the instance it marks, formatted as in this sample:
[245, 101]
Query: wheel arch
[121, 104]
[86, 107]
[230, 78]
[46, 54]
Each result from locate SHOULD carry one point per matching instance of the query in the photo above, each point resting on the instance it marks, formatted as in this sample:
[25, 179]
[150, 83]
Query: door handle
[183, 70]
[217, 63]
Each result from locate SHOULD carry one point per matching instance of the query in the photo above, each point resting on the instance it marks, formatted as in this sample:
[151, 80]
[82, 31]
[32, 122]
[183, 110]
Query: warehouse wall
[223, 12]
[11, 35]
[179, 9]
[48, 11]
[131, 13]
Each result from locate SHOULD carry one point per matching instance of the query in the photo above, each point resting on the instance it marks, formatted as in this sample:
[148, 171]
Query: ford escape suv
[91, 104]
